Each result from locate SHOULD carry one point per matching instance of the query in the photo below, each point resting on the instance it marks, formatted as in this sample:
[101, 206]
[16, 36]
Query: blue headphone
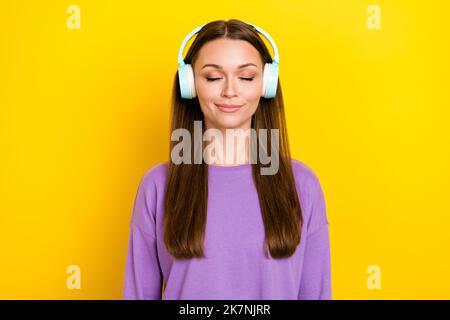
[186, 74]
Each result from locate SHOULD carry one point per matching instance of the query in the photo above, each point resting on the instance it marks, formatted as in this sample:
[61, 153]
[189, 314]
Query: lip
[228, 107]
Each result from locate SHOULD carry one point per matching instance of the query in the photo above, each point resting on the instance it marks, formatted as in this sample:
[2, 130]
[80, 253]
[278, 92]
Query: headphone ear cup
[186, 80]
[264, 83]
[270, 80]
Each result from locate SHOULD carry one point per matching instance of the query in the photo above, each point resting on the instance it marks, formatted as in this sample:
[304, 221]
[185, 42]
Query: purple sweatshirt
[235, 267]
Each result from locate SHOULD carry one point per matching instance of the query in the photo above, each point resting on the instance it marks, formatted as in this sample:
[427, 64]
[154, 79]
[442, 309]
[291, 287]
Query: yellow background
[84, 113]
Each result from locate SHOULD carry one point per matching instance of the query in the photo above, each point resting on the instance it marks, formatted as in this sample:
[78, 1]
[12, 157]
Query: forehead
[228, 53]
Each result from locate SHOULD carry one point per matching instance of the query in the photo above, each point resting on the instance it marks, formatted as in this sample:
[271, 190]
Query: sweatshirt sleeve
[316, 276]
[143, 276]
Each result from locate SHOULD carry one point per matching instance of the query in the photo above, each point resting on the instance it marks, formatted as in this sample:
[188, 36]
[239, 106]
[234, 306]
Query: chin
[230, 124]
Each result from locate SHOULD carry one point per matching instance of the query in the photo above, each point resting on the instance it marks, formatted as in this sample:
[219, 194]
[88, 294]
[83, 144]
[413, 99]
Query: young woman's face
[225, 82]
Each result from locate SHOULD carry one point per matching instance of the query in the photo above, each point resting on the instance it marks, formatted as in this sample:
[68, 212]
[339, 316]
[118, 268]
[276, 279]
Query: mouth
[228, 107]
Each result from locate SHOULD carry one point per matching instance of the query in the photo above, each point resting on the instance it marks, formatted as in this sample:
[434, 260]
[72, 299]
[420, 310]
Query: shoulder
[311, 194]
[149, 191]
[155, 176]
[153, 182]
[146, 201]
[305, 176]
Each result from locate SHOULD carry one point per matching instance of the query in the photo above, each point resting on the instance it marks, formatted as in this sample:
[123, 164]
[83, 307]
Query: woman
[215, 229]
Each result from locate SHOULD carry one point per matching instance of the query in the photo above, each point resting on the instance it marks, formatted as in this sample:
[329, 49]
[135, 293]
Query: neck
[231, 148]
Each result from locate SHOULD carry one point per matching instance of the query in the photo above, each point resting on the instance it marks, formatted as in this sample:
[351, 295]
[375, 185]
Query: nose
[228, 90]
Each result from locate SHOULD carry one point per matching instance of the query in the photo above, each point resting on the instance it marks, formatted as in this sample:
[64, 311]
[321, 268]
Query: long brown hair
[186, 206]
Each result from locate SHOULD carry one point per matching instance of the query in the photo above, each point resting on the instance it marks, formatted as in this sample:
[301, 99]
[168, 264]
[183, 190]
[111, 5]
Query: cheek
[206, 91]
[252, 95]
[252, 92]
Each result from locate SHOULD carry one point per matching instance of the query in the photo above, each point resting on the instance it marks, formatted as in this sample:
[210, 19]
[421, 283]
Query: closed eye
[214, 79]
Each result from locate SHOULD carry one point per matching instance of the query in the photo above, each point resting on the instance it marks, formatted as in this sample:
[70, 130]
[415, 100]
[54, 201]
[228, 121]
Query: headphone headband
[196, 30]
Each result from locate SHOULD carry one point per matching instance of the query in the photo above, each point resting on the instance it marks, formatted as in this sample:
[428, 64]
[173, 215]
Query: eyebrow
[220, 67]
